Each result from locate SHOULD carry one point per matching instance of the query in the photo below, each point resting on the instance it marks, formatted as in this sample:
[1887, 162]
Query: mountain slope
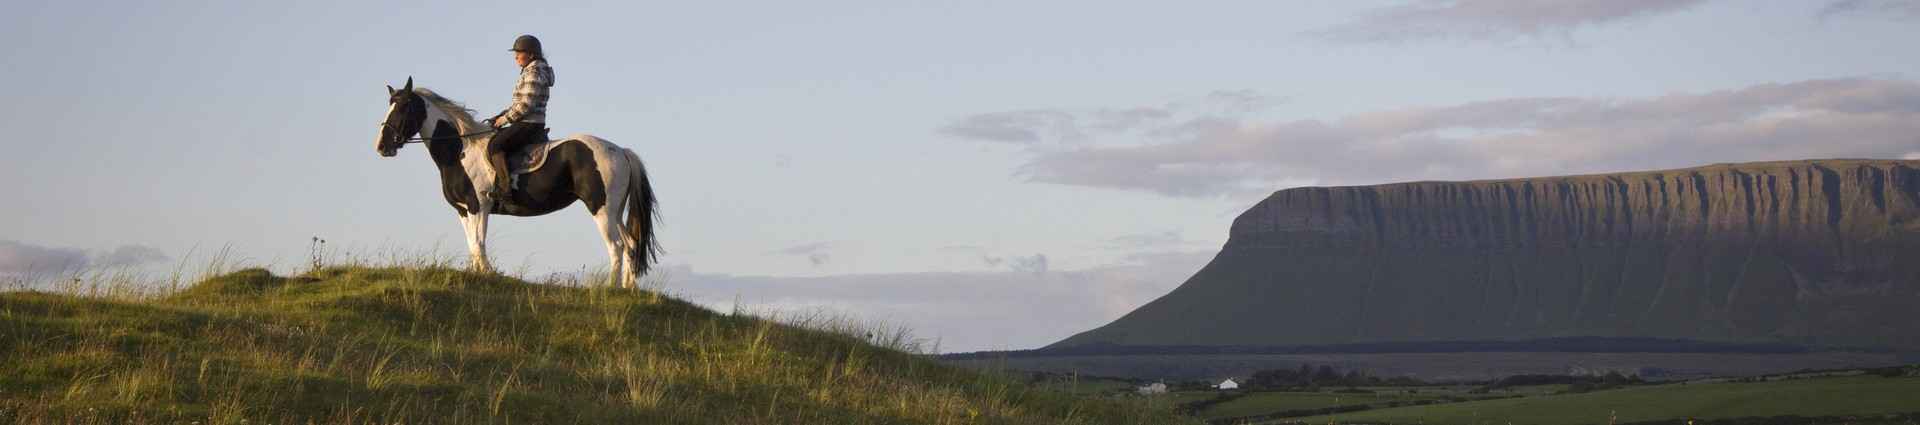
[1823, 253]
[432, 345]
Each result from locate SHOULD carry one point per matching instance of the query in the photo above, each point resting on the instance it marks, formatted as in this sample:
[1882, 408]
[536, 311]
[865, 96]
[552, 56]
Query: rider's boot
[502, 181]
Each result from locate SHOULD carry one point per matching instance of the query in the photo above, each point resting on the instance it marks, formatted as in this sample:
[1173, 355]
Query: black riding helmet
[529, 44]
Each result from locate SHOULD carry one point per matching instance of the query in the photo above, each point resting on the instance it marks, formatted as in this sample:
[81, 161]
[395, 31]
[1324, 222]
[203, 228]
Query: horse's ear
[390, 90]
[409, 87]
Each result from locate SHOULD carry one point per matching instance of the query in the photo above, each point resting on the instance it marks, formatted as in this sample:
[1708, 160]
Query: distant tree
[1889, 372]
[1310, 376]
[1613, 379]
[1275, 379]
[1326, 376]
[1404, 381]
[1580, 387]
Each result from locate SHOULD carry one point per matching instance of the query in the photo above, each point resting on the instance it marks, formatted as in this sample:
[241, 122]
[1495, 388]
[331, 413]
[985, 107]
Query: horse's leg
[477, 237]
[473, 243]
[609, 220]
[614, 187]
[627, 271]
[617, 204]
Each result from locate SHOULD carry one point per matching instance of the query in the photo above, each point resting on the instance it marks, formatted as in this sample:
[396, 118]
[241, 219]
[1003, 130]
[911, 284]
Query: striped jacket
[530, 94]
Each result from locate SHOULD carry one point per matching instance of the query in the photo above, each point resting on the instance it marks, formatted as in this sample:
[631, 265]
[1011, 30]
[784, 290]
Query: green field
[1087, 386]
[360, 345]
[1260, 403]
[1184, 397]
[1832, 396]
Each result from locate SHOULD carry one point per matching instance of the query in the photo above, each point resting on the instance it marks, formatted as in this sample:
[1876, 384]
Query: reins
[422, 139]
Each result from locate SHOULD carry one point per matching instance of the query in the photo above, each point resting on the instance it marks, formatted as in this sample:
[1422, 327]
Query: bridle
[423, 139]
[415, 103]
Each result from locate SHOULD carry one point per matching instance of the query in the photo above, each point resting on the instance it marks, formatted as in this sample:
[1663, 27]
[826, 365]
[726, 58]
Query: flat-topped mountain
[1822, 253]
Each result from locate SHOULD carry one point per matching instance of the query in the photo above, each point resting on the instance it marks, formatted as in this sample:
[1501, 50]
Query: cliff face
[1823, 253]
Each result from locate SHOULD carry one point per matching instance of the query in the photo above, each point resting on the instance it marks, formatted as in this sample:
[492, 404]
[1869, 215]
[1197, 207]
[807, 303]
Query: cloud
[1016, 127]
[1036, 264]
[1503, 138]
[1122, 120]
[130, 255]
[1492, 20]
[816, 253]
[1908, 9]
[1053, 129]
[966, 311]
[1241, 101]
[18, 257]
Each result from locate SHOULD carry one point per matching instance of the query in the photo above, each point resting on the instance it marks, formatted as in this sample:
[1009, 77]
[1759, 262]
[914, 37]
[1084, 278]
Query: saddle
[530, 157]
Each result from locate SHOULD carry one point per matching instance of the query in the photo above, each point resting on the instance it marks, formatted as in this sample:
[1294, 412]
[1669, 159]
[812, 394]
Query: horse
[609, 179]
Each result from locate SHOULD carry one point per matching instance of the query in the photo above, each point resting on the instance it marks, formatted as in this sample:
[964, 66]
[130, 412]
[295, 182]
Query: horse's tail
[643, 215]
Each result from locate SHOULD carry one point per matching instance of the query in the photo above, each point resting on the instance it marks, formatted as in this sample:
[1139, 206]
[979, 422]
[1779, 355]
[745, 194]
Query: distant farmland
[1441, 366]
[1864, 397]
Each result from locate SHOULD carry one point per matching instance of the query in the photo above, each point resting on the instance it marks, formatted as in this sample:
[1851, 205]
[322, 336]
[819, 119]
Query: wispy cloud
[1518, 137]
[20, 257]
[1492, 20]
[1036, 264]
[817, 253]
[16, 257]
[127, 255]
[1061, 128]
[1904, 9]
[1016, 127]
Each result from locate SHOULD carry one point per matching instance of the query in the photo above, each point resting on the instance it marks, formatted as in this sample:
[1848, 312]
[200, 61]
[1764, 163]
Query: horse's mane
[462, 116]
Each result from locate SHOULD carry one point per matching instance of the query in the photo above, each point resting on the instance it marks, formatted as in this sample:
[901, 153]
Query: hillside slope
[399, 345]
[1821, 253]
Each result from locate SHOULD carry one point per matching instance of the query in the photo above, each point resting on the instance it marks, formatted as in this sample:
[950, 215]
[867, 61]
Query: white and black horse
[607, 178]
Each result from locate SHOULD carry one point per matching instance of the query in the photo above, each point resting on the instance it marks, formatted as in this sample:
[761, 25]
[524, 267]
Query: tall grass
[401, 337]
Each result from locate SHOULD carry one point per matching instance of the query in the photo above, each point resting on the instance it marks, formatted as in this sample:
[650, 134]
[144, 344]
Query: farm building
[1228, 385]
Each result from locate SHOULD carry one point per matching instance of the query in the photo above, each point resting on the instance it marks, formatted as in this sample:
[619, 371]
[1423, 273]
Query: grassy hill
[351, 345]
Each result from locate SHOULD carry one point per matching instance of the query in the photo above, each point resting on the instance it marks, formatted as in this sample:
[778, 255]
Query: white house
[1228, 385]
[1154, 388]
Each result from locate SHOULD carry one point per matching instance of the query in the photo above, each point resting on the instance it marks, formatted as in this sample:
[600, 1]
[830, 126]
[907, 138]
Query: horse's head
[406, 113]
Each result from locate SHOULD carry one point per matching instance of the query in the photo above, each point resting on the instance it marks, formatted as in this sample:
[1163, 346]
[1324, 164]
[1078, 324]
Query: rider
[525, 120]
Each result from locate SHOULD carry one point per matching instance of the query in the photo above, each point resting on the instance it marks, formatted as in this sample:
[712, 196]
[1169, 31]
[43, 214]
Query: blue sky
[1062, 162]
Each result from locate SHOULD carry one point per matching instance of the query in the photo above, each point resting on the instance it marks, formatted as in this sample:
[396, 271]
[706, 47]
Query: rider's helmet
[527, 43]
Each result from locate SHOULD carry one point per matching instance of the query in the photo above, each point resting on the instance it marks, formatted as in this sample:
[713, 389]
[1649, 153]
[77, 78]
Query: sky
[989, 174]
